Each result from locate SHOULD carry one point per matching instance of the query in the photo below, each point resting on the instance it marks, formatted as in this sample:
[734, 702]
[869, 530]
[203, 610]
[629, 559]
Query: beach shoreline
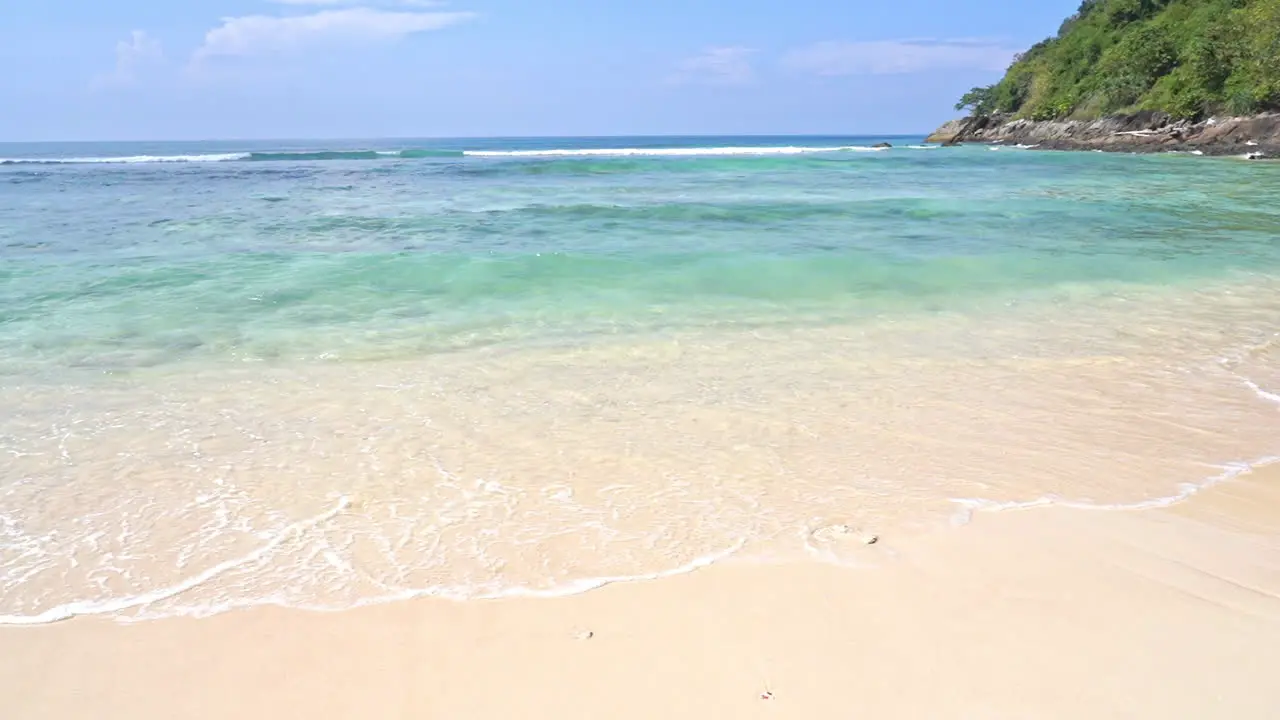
[1048, 612]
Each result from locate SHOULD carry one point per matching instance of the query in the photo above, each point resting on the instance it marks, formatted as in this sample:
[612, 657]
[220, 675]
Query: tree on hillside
[980, 101]
[1185, 57]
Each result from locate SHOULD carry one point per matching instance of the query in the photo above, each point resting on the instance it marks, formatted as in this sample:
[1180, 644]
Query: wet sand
[522, 471]
[1046, 613]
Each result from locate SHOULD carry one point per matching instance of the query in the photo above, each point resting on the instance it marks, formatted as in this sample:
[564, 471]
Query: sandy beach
[418, 360]
[1046, 613]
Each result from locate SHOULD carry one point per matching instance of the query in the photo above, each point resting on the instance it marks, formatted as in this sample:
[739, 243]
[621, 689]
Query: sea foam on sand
[1044, 613]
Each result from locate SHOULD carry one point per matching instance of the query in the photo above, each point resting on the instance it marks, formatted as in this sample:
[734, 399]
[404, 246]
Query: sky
[239, 69]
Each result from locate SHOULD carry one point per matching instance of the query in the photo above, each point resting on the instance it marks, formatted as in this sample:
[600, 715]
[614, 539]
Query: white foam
[129, 160]
[1265, 395]
[117, 605]
[668, 152]
[451, 593]
[152, 605]
[1229, 364]
[969, 506]
[577, 587]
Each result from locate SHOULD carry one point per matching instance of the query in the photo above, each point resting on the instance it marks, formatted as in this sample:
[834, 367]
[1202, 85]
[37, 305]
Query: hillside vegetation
[1189, 58]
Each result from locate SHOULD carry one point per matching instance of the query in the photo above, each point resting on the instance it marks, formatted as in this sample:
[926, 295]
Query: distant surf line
[420, 153]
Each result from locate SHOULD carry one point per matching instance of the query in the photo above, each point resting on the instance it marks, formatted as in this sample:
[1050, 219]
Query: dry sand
[1046, 613]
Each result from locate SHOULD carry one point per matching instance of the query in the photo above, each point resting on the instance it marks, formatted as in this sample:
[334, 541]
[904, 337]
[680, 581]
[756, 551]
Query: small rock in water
[882, 145]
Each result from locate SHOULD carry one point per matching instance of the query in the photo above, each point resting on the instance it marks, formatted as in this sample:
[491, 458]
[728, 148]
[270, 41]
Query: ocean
[328, 374]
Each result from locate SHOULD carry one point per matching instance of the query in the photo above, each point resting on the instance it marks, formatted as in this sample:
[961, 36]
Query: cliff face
[1257, 136]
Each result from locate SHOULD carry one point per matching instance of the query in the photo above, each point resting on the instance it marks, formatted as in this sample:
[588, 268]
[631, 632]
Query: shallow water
[322, 375]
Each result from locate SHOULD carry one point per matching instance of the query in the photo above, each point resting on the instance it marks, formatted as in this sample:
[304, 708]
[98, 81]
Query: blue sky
[198, 69]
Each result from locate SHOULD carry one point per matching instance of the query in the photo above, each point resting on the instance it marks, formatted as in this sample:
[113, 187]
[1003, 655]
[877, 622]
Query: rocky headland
[1255, 137]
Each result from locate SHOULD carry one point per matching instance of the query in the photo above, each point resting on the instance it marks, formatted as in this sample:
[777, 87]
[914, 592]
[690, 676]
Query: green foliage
[1184, 57]
[1262, 61]
[1178, 95]
[980, 101]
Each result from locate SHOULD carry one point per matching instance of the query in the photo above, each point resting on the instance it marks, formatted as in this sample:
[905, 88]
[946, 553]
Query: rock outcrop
[951, 131]
[1257, 136]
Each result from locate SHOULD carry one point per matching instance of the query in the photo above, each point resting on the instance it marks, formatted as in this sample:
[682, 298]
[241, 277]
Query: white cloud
[133, 56]
[265, 35]
[717, 66]
[896, 57]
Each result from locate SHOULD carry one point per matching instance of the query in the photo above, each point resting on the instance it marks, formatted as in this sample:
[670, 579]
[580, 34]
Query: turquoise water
[328, 374]
[112, 259]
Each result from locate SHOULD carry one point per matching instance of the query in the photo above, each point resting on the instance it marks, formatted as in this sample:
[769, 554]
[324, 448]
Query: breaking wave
[424, 153]
[129, 160]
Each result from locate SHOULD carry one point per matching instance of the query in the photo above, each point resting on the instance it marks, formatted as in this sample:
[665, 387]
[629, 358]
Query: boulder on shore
[948, 133]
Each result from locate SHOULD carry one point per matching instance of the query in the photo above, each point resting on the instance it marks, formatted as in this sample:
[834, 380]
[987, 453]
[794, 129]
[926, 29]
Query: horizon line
[898, 134]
